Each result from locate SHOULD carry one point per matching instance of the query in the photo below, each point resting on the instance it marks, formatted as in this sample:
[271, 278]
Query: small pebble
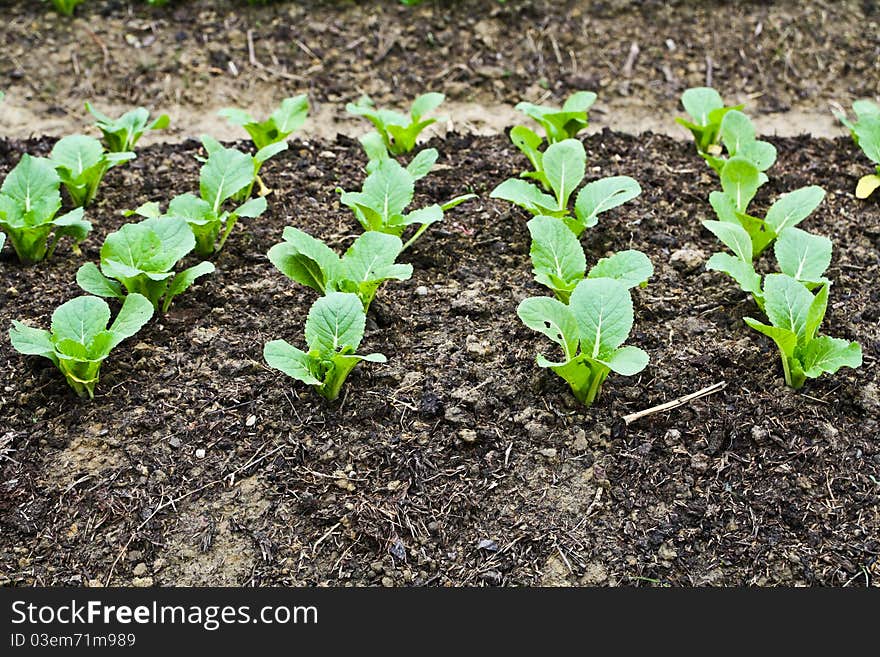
[200, 453]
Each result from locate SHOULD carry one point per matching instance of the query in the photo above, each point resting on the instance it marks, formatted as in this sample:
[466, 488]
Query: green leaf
[73, 225]
[135, 312]
[604, 313]
[293, 362]
[32, 188]
[291, 114]
[733, 236]
[867, 134]
[425, 104]
[826, 354]
[564, 166]
[724, 207]
[251, 208]
[80, 319]
[236, 116]
[785, 339]
[561, 124]
[529, 144]
[740, 180]
[558, 259]
[31, 341]
[602, 195]
[630, 267]
[737, 130]
[153, 245]
[816, 313]
[525, 195]
[226, 173]
[760, 153]
[787, 303]
[306, 260]
[792, 208]
[374, 147]
[802, 255]
[184, 279]
[76, 154]
[421, 165]
[742, 271]
[626, 361]
[90, 279]
[427, 215]
[371, 259]
[269, 151]
[699, 102]
[386, 193]
[554, 319]
[335, 323]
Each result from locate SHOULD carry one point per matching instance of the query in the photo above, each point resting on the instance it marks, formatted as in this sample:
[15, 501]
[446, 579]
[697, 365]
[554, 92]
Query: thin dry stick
[675, 403]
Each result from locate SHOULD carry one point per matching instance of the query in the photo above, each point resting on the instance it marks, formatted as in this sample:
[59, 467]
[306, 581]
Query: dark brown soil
[460, 462]
[190, 58]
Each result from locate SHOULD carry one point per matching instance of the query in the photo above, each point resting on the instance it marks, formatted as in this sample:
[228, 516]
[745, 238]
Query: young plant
[565, 166]
[81, 163]
[559, 263]
[800, 255]
[706, 110]
[223, 177]
[738, 135]
[795, 315]
[140, 258]
[419, 166]
[334, 330]
[386, 193]
[80, 340]
[228, 161]
[560, 124]
[590, 330]
[866, 135]
[740, 180]
[66, 7]
[122, 134]
[29, 201]
[398, 131]
[287, 118]
[368, 262]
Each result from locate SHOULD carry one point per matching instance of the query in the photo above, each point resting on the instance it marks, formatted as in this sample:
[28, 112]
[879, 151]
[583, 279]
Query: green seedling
[590, 330]
[122, 134]
[740, 180]
[399, 131]
[228, 164]
[386, 193]
[29, 200]
[419, 167]
[368, 262]
[140, 258]
[80, 340]
[706, 111]
[560, 124]
[866, 134]
[287, 118]
[559, 263]
[81, 163]
[795, 315]
[334, 330]
[565, 166]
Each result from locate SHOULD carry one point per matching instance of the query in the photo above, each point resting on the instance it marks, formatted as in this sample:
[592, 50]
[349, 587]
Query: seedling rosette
[591, 330]
[334, 330]
[122, 134]
[706, 111]
[286, 119]
[398, 131]
[80, 340]
[29, 201]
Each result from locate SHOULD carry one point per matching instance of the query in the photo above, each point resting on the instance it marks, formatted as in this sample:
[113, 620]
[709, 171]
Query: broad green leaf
[826, 354]
[733, 236]
[740, 180]
[73, 225]
[374, 147]
[865, 108]
[760, 153]
[90, 279]
[422, 163]
[579, 101]
[306, 260]
[867, 132]
[372, 258]
[387, 191]
[699, 102]
[32, 187]
[153, 245]
[252, 208]
[192, 208]
[290, 360]
[77, 154]
[604, 313]
[226, 173]
[427, 215]
[291, 114]
[564, 166]
[525, 195]
[802, 255]
[604, 194]
[627, 361]
[724, 207]
[269, 151]
[554, 319]
[737, 130]
[135, 312]
[785, 340]
[792, 208]
[335, 322]
[529, 143]
[787, 303]
[31, 341]
[80, 319]
[425, 104]
[557, 255]
[742, 271]
[236, 116]
[630, 267]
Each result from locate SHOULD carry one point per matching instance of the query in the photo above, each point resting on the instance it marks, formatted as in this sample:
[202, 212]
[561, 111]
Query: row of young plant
[139, 262]
[794, 299]
[67, 7]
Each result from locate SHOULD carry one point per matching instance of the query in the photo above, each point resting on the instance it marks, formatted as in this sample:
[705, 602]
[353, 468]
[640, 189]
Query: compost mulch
[460, 462]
